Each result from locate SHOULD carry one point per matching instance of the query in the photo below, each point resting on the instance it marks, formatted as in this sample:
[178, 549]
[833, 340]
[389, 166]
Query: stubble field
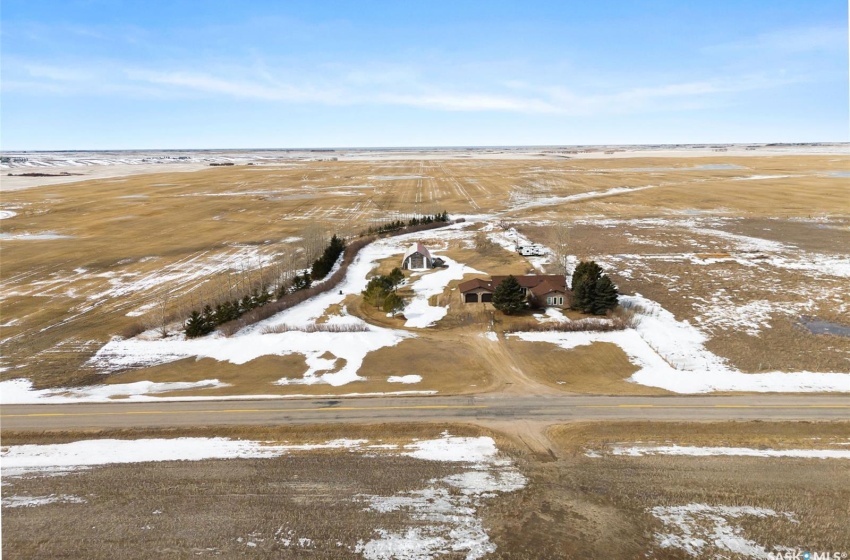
[580, 499]
[741, 247]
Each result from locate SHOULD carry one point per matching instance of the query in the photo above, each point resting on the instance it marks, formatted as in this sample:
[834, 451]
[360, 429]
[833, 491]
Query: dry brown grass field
[121, 252]
[573, 505]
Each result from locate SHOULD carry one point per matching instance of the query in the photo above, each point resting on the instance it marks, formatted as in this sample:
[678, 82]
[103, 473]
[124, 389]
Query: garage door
[487, 297]
[470, 298]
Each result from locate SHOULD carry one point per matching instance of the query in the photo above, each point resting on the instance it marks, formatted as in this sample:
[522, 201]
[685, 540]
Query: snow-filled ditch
[21, 391]
[444, 512]
[696, 451]
[671, 355]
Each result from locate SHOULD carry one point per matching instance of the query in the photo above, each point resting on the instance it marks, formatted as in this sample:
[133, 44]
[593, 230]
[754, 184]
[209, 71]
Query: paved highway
[408, 409]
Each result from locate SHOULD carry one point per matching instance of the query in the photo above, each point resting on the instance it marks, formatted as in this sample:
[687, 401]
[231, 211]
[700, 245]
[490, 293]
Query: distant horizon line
[442, 147]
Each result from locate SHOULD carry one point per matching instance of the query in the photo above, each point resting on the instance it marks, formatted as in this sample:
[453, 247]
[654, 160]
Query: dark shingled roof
[537, 284]
[474, 284]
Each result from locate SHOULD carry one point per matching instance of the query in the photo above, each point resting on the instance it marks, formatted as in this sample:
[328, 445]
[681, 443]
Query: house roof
[549, 285]
[417, 248]
[537, 284]
[474, 284]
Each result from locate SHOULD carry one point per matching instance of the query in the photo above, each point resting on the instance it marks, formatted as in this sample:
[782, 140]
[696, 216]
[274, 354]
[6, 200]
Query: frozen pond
[816, 326]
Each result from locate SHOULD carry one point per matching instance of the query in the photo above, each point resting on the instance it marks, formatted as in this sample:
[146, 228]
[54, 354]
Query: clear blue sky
[102, 74]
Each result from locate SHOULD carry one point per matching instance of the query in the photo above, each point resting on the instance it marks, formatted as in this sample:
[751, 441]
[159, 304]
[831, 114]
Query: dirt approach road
[485, 408]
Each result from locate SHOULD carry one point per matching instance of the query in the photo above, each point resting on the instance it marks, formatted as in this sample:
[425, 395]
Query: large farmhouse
[546, 290]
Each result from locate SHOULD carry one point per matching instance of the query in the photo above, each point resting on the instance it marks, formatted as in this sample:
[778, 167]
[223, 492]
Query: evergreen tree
[508, 297]
[583, 295]
[584, 285]
[396, 276]
[605, 296]
[301, 282]
[380, 291]
[197, 326]
[393, 303]
[586, 270]
[325, 263]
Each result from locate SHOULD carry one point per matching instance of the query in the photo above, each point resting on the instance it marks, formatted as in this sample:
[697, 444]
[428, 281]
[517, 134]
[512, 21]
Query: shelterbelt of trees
[230, 315]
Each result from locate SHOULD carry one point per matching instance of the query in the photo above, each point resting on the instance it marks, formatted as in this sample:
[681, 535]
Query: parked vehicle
[531, 250]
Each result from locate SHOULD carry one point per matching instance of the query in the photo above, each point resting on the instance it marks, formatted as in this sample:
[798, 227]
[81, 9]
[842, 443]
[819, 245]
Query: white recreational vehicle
[531, 250]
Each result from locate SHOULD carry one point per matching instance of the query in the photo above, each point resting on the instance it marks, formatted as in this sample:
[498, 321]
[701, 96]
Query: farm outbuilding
[417, 257]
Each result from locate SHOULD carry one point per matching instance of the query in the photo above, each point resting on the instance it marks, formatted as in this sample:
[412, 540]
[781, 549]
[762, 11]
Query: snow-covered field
[443, 513]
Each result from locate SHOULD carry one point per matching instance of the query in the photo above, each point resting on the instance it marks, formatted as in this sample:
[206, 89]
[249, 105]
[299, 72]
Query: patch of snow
[759, 177]
[21, 391]
[253, 342]
[407, 379]
[721, 312]
[695, 527]
[396, 177]
[536, 202]
[33, 501]
[419, 312]
[637, 451]
[454, 449]
[554, 315]
[6, 214]
[349, 346]
[32, 458]
[671, 355]
[445, 512]
[510, 239]
[44, 236]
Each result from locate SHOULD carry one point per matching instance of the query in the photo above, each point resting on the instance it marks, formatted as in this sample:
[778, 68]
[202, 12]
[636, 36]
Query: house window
[549, 300]
[560, 301]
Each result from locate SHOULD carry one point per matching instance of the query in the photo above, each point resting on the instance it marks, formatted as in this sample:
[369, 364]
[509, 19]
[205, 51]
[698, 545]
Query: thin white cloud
[339, 85]
[788, 41]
